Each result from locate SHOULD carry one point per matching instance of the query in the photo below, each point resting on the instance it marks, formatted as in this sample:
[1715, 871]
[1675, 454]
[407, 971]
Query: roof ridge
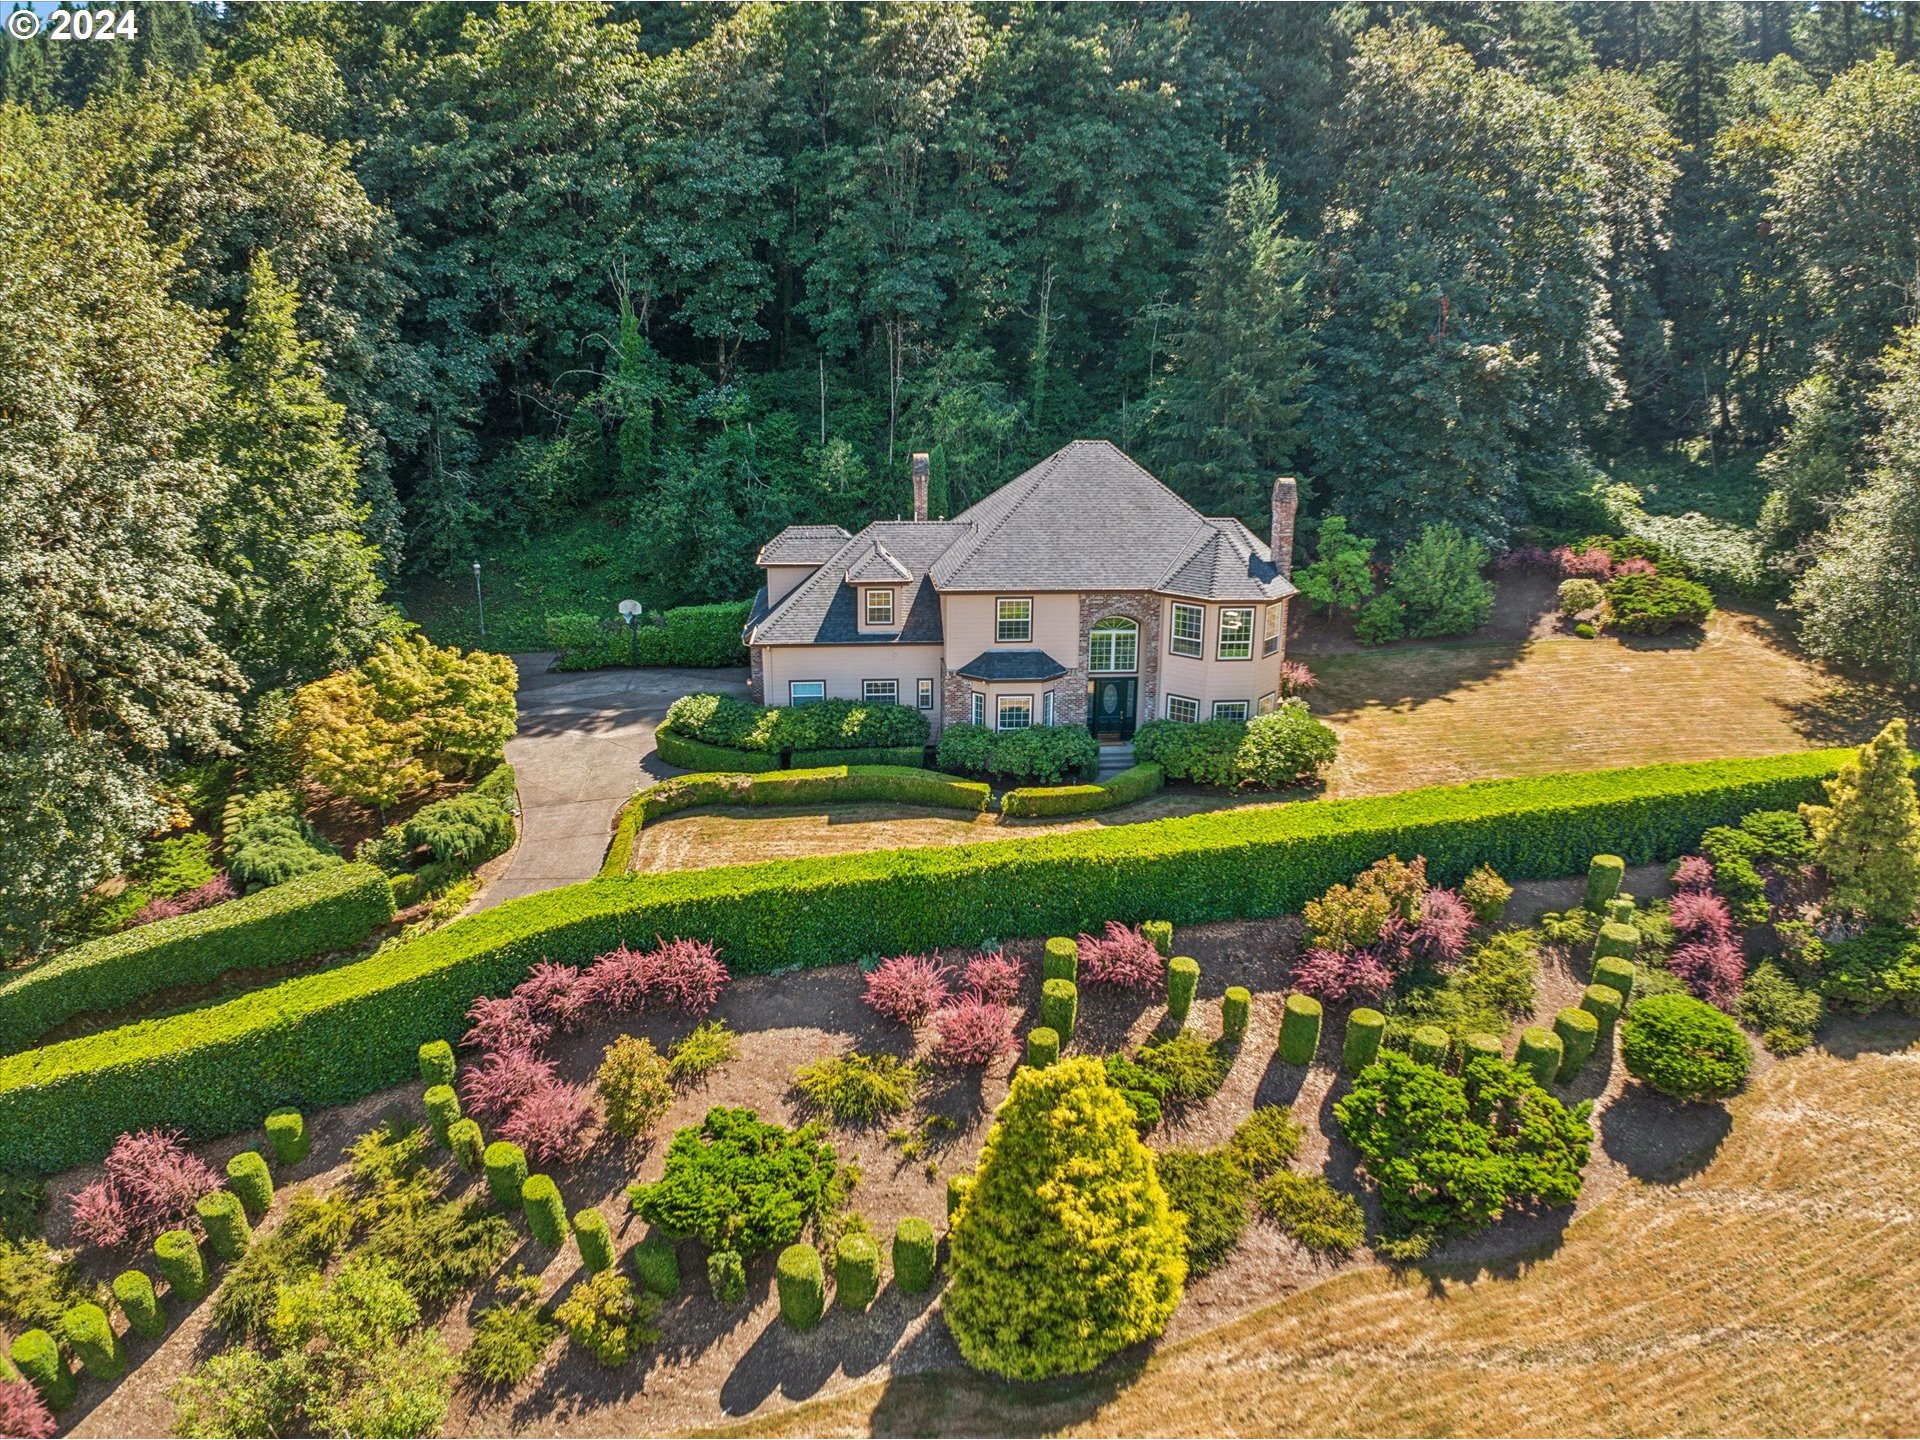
[826, 566]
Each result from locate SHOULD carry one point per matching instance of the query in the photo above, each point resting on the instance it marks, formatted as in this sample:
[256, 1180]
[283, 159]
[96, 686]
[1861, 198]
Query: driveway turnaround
[584, 745]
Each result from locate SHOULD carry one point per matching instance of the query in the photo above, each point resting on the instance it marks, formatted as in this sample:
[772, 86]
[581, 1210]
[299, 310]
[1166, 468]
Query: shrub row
[1135, 783]
[693, 635]
[337, 1035]
[1284, 747]
[325, 910]
[831, 724]
[1049, 754]
[691, 754]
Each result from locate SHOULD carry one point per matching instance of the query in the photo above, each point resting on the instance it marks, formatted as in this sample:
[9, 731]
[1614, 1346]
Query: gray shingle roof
[992, 665]
[877, 565]
[824, 610]
[1229, 565]
[803, 545]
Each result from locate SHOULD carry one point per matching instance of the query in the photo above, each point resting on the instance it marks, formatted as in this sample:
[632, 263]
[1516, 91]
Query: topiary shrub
[1061, 960]
[1431, 1045]
[590, 1233]
[90, 1334]
[1365, 1030]
[1604, 1003]
[467, 1143]
[177, 1254]
[1059, 1007]
[1603, 880]
[1685, 1048]
[1615, 942]
[225, 1222]
[1482, 1043]
[1159, 934]
[727, 1276]
[656, 1265]
[546, 1213]
[856, 1272]
[506, 1167]
[802, 1284]
[1579, 1032]
[38, 1357]
[1540, 1054]
[1236, 1009]
[916, 1255]
[1183, 979]
[437, 1065]
[443, 1108]
[1061, 1162]
[133, 1293]
[287, 1134]
[1299, 1029]
[1043, 1047]
[248, 1178]
[1617, 974]
[1620, 909]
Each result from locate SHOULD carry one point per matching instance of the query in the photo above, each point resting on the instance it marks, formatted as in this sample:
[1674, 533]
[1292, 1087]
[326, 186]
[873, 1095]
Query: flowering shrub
[494, 1088]
[972, 1031]
[151, 1184]
[995, 976]
[201, 897]
[1713, 968]
[503, 1023]
[1700, 913]
[1336, 976]
[1439, 937]
[1123, 957]
[550, 1121]
[1295, 679]
[908, 988]
[620, 980]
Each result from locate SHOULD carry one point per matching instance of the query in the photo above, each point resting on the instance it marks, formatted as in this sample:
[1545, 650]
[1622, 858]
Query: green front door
[1113, 707]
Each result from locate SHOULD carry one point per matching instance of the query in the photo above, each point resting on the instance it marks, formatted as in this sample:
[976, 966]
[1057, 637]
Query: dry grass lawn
[1775, 1292]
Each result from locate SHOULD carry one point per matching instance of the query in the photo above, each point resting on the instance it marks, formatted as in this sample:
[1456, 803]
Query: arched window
[1114, 648]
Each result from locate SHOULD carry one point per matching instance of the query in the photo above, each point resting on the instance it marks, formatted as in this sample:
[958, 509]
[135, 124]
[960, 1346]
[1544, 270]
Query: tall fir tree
[1867, 836]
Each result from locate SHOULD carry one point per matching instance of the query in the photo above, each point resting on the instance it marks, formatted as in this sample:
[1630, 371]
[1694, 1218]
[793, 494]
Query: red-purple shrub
[972, 1031]
[1336, 976]
[621, 980]
[24, 1413]
[504, 1023]
[1295, 679]
[550, 1121]
[1525, 557]
[1634, 565]
[688, 975]
[151, 1184]
[1440, 936]
[908, 988]
[495, 1087]
[995, 976]
[1694, 872]
[1124, 958]
[1701, 915]
[1713, 969]
[1584, 564]
[202, 897]
[554, 995]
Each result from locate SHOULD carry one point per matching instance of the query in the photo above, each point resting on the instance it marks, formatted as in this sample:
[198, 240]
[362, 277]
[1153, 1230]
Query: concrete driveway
[585, 744]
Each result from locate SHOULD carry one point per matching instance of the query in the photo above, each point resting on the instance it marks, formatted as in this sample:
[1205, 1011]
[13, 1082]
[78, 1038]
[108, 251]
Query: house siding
[842, 668]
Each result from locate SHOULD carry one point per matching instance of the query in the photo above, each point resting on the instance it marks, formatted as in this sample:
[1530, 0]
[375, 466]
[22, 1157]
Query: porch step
[1114, 759]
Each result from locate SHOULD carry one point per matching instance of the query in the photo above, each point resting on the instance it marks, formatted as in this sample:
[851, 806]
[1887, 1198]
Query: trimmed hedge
[590, 1233]
[1183, 979]
[247, 1177]
[1236, 1008]
[856, 1272]
[1365, 1030]
[1299, 1029]
[443, 1108]
[225, 1220]
[546, 1213]
[916, 1255]
[177, 1254]
[327, 910]
[1481, 1043]
[468, 1144]
[1617, 974]
[913, 757]
[506, 1167]
[691, 754]
[287, 1134]
[1059, 1007]
[1615, 942]
[37, 1356]
[1604, 1003]
[91, 1335]
[802, 1283]
[1579, 1032]
[1431, 1045]
[133, 1293]
[340, 1034]
[1061, 959]
[1043, 1047]
[656, 1265]
[1134, 783]
[1603, 880]
[1540, 1054]
[437, 1065]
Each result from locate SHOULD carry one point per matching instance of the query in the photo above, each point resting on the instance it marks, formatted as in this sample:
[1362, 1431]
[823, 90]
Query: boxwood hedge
[324, 910]
[334, 1036]
[1134, 783]
[691, 754]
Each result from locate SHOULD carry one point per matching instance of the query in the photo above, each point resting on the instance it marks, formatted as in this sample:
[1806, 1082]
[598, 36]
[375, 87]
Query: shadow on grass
[963, 1402]
[1849, 1037]
[1851, 712]
[1662, 1140]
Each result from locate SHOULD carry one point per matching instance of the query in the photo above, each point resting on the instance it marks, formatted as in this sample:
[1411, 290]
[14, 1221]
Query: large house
[1081, 592]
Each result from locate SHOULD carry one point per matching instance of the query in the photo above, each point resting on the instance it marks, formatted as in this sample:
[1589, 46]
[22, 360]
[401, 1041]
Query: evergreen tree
[1867, 836]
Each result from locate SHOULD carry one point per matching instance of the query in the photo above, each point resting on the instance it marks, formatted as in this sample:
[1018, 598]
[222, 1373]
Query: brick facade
[1095, 605]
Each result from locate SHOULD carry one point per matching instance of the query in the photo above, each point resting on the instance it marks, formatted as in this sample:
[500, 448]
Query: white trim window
[879, 608]
[1046, 708]
[1013, 620]
[1014, 712]
[1187, 635]
[1276, 627]
[923, 694]
[1113, 647]
[1229, 709]
[1180, 708]
[1236, 633]
[806, 692]
[979, 707]
[1269, 702]
[880, 691]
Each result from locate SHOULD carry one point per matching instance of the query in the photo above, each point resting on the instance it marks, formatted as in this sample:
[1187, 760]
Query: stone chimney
[922, 470]
[1286, 505]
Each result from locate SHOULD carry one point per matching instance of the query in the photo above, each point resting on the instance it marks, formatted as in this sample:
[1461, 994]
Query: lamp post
[479, 601]
[630, 612]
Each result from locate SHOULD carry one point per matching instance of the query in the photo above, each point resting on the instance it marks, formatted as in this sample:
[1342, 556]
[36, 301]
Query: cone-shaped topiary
[1615, 941]
[177, 1254]
[90, 1335]
[1579, 1032]
[1236, 1009]
[1540, 1054]
[1365, 1029]
[506, 1167]
[1867, 836]
[1481, 1043]
[856, 1272]
[1031, 1293]
[590, 1233]
[248, 1178]
[546, 1212]
[469, 1146]
[802, 1283]
[1059, 1007]
[287, 1134]
[443, 1108]
[1299, 1029]
[1160, 933]
[1603, 880]
[225, 1221]
[916, 1254]
[133, 1293]
[1061, 960]
[656, 1265]
[1604, 1003]
[37, 1356]
[1617, 974]
[1183, 979]
[1043, 1047]
[437, 1065]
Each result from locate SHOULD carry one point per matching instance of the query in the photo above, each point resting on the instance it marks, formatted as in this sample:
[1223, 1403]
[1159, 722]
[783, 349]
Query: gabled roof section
[876, 565]
[823, 609]
[1230, 564]
[803, 545]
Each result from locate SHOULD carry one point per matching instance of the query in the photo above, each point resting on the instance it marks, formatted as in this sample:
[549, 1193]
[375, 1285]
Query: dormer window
[879, 609]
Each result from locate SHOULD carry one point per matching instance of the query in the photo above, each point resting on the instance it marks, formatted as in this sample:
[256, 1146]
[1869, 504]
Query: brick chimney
[922, 470]
[1286, 505]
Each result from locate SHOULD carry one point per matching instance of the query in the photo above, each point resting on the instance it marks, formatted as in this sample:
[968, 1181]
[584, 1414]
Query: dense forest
[306, 305]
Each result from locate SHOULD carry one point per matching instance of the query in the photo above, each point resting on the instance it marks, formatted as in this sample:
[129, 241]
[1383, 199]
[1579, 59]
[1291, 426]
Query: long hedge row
[691, 754]
[1136, 782]
[324, 910]
[330, 1037]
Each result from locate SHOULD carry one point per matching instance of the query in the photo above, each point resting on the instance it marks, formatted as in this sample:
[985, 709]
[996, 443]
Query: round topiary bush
[1160, 932]
[37, 1356]
[133, 1293]
[506, 1167]
[1685, 1048]
[1027, 1296]
[1183, 979]
[437, 1065]
[1481, 1043]
[287, 1134]
[590, 1233]
[916, 1255]
[1299, 1029]
[656, 1265]
[1430, 1045]
[1579, 1032]
[443, 1108]
[1236, 1009]
[90, 1335]
[1615, 941]
[1616, 973]
[248, 1178]
[1540, 1054]
[856, 1272]
[1365, 1030]
[1603, 1002]
[466, 1142]
[1061, 960]
[177, 1254]
[802, 1283]
[1043, 1047]
[1603, 880]
[1059, 1007]
[225, 1221]
[545, 1211]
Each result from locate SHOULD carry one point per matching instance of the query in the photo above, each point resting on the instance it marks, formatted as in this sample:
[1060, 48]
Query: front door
[1113, 707]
